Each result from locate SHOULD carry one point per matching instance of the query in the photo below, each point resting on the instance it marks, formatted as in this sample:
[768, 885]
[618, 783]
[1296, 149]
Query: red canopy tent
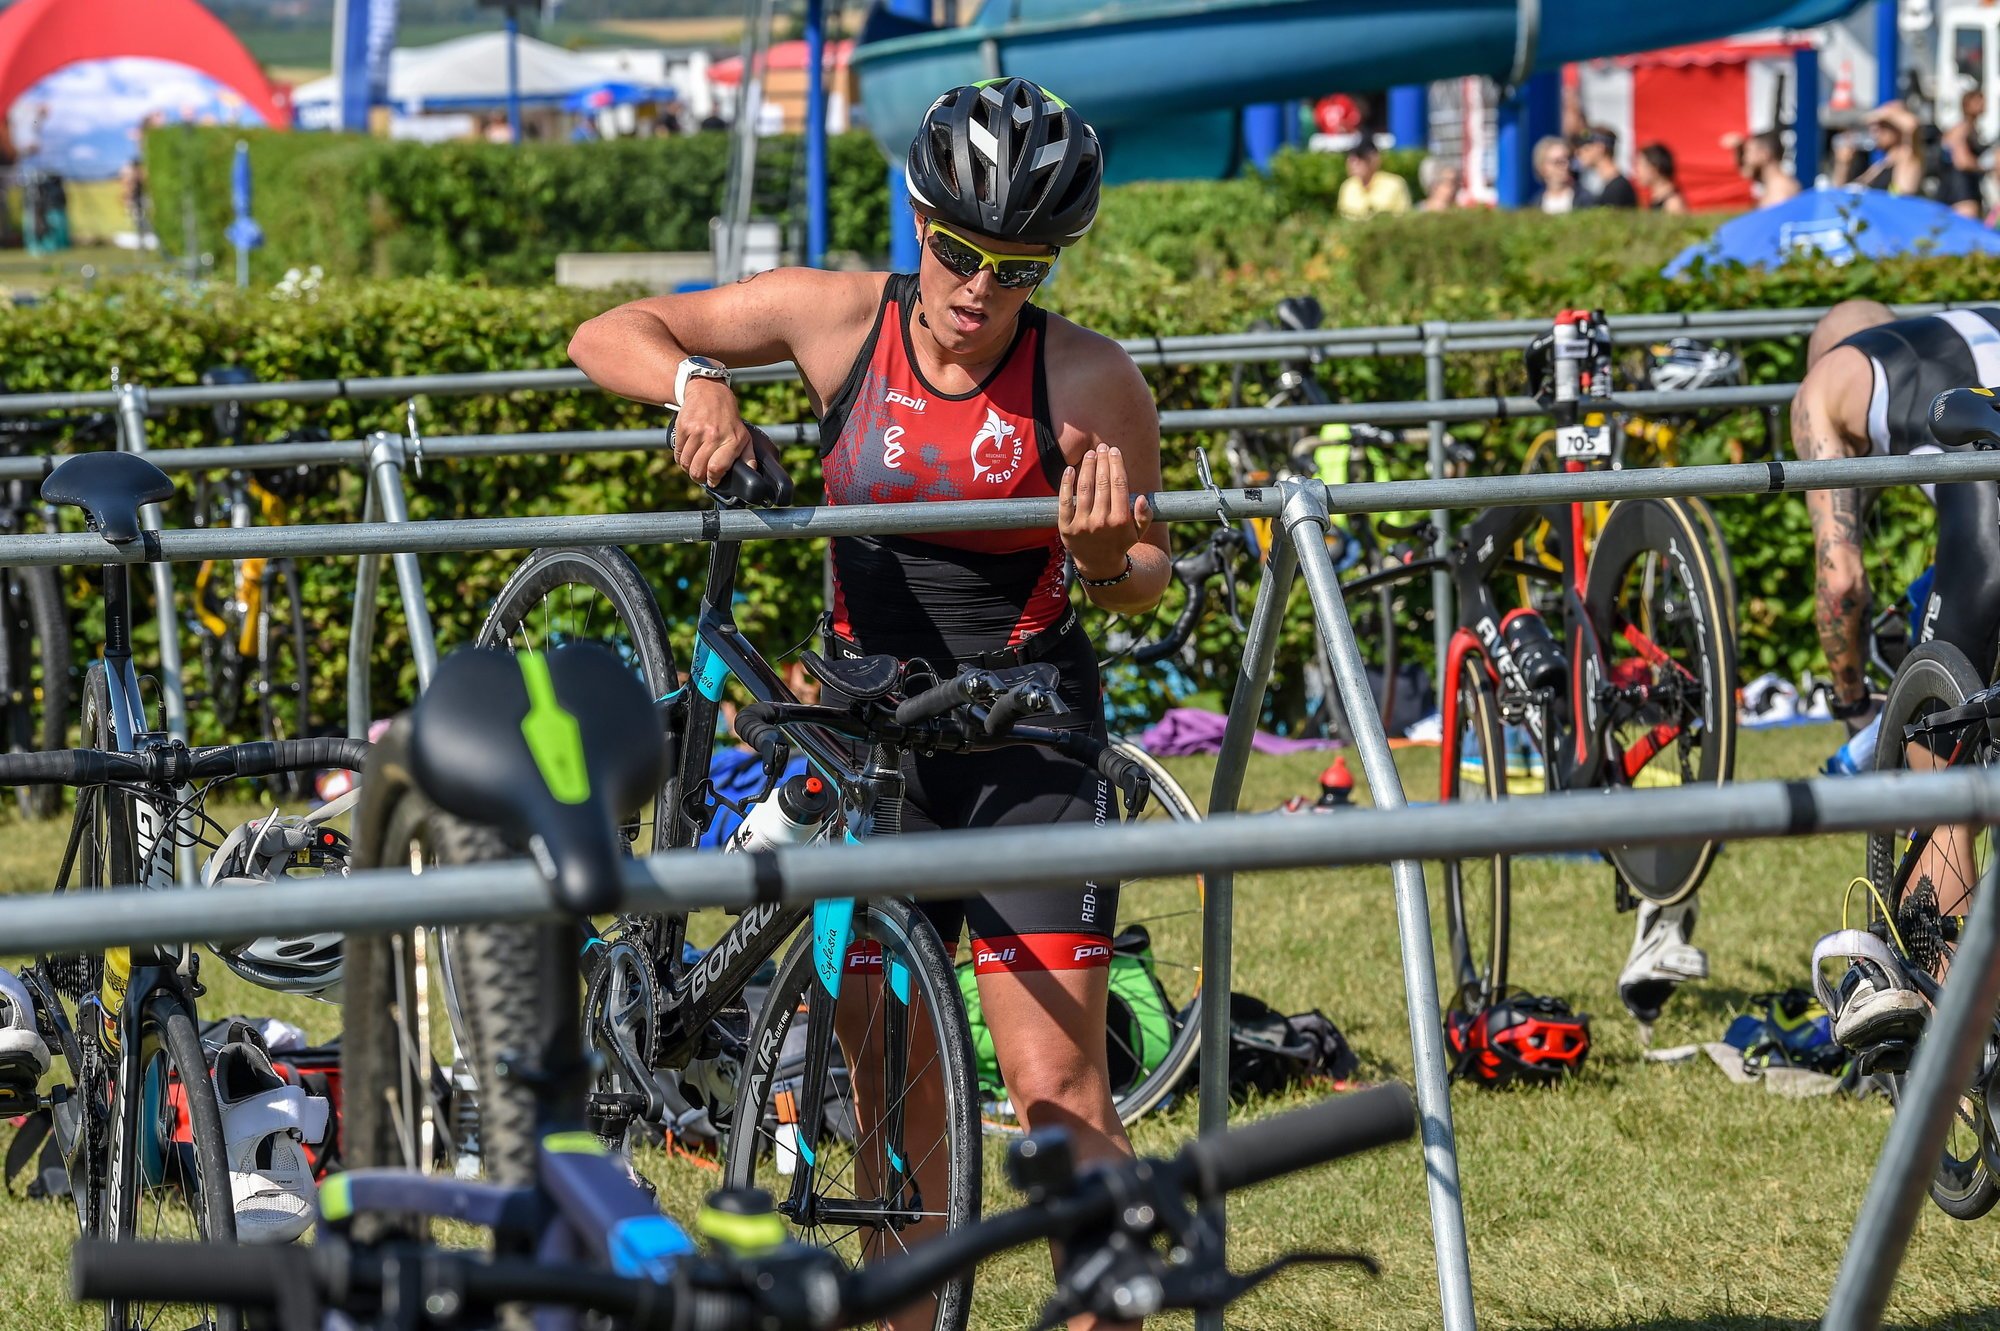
[39, 37]
[782, 57]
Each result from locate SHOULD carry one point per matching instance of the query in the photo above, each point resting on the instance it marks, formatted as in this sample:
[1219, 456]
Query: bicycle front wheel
[869, 1162]
[1658, 610]
[1476, 891]
[594, 594]
[35, 662]
[169, 1172]
[1928, 897]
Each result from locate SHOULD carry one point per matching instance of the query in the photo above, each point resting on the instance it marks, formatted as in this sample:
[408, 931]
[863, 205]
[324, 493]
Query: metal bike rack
[387, 456]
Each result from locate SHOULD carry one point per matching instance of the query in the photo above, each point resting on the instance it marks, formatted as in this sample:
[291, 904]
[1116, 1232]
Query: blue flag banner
[364, 32]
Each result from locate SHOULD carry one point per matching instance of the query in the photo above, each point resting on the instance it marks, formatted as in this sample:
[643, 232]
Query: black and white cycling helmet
[1007, 159]
[274, 850]
[1687, 362]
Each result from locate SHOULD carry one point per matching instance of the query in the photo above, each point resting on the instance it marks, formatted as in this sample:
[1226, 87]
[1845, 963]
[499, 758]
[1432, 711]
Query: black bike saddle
[1962, 416]
[110, 488]
[550, 751]
[862, 678]
[1301, 313]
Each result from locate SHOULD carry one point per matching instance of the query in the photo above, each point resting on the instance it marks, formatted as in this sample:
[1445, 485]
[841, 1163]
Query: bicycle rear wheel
[910, 1124]
[1477, 892]
[283, 682]
[35, 663]
[1926, 902]
[1658, 611]
[168, 1173]
[592, 593]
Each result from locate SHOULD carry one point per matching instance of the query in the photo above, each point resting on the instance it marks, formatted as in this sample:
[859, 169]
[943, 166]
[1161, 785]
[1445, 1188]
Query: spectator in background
[1369, 190]
[1760, 159]
[1958, 181]
[1900, 168]
[1552, 168]
[671, 118]
[1441, 181]
[132, 189]
[1597, 155]
[1655, 170]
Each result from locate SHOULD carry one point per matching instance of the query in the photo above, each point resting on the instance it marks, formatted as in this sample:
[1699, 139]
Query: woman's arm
[1101, 506]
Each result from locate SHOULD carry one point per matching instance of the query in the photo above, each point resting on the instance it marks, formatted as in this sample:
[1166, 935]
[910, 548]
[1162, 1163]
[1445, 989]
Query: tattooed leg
[1841, 603]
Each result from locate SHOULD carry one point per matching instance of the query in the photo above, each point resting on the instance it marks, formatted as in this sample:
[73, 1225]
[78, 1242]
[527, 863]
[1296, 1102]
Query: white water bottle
[791, 815]
[1858, 754]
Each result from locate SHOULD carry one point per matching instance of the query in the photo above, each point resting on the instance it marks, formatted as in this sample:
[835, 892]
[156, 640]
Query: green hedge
[361, 207]
[1125, 282]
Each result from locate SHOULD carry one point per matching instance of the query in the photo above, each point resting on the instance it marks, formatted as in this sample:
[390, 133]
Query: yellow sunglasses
[962, 258]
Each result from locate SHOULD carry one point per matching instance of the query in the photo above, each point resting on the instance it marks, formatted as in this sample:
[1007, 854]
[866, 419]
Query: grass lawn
[1638, 1196]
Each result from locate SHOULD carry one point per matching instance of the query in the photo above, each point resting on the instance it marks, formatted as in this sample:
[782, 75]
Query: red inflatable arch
[39, 37]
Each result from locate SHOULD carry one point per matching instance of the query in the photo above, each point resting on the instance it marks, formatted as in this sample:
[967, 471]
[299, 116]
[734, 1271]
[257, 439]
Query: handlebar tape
[1340, 1126]
[768, 485]
[267, 757]
[69, 767]
[938, 699]
[187, 1272]
[755, 727]
[264, 757]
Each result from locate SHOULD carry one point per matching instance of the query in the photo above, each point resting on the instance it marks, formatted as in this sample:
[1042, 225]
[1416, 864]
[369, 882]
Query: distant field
[676, 31]
[312, 47]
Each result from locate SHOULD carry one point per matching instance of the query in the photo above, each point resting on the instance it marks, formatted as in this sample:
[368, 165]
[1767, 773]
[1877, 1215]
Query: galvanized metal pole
[386, 456]
[1950, 1050]
[132, 429]
[361, 636]
[1441, 598]
[1306, 522]
[1218, 919]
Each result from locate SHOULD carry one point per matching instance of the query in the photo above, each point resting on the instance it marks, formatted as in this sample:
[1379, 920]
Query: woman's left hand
[1097, 517]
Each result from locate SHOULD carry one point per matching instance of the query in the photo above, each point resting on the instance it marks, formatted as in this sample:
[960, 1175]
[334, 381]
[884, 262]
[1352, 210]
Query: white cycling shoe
[1662, 959]
[24, 1055]
[266, 1122]
[1874, 1003]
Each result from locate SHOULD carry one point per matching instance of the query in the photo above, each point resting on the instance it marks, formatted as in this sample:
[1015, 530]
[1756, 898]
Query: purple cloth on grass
[1185, 730]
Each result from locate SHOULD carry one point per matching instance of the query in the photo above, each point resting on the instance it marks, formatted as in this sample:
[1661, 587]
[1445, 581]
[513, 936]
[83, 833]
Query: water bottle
[791, 816]
[1534, 650]
[1858, 754]
[111, 997]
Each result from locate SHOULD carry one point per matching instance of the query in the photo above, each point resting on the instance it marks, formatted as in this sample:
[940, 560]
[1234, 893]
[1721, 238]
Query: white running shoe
[24, 1056]
[1662, 959]
[265, 1125]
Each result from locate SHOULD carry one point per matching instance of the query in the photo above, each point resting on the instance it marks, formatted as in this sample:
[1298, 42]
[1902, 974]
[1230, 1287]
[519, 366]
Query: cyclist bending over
[948, 384]
[1870, 380]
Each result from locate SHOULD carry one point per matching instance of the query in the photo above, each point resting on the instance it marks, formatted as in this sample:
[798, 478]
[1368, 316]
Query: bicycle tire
[385, 1045]
[611, 573]
[194, 1174]
[284, 688]
[36, 637]
[1477, 915]
[1653, 536]
[1935, 677]
[755, 1132]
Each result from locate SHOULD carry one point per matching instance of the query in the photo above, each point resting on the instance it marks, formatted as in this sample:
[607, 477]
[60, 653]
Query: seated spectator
[1760, 159]
[1899, 168]
[1442, 181]
[1368, 190]
[1655, 169]
[1552, 168]
[1958, 181]
[1597, 155]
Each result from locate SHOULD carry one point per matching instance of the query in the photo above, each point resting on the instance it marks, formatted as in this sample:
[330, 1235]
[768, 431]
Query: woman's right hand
[710, 436]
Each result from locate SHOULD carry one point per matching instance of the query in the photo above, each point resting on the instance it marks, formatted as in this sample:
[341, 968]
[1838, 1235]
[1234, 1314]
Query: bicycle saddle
[110, 488]
[1966, 416]
[228, 414]
[550, 751]
[862, 678]
[1301, 313]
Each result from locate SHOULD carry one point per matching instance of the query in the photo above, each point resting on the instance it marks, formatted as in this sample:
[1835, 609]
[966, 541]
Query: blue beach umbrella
[1842, 224]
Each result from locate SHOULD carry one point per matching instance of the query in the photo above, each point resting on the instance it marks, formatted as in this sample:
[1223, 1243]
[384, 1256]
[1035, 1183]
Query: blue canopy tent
[587, 100]
[1843, 225]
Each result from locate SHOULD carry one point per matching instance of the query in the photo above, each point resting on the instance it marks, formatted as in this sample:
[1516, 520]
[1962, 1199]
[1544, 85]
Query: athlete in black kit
[947, 384]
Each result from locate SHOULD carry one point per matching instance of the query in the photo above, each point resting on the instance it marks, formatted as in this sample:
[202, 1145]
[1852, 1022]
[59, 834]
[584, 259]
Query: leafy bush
[1126, 282]
[364, 207]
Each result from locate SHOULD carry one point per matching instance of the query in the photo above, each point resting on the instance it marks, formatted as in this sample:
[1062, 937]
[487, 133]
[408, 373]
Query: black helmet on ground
[1007, 159]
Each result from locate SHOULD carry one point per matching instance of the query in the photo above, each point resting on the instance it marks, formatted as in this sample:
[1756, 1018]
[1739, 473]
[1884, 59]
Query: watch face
[699, 364]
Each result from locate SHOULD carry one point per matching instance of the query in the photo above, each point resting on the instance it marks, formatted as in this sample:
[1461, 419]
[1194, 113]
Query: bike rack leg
[1305, 519]
[1218, 919]
[1441, 598]
[387, 454]
[361, 637]
[1945, 1060]
[132, 436]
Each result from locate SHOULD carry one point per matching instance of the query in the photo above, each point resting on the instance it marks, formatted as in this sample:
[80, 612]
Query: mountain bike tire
[35, 640]
[596, 592]
[1934, 678]
[1478, 892]
[160, 1187]
[760, 1117]
[1661, 544]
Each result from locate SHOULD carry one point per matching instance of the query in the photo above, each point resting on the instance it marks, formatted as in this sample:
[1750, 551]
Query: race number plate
[1583, 442]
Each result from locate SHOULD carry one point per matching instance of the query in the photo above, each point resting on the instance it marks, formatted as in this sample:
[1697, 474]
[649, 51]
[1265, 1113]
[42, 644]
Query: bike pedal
[1889, 1057]
[1622, 895]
